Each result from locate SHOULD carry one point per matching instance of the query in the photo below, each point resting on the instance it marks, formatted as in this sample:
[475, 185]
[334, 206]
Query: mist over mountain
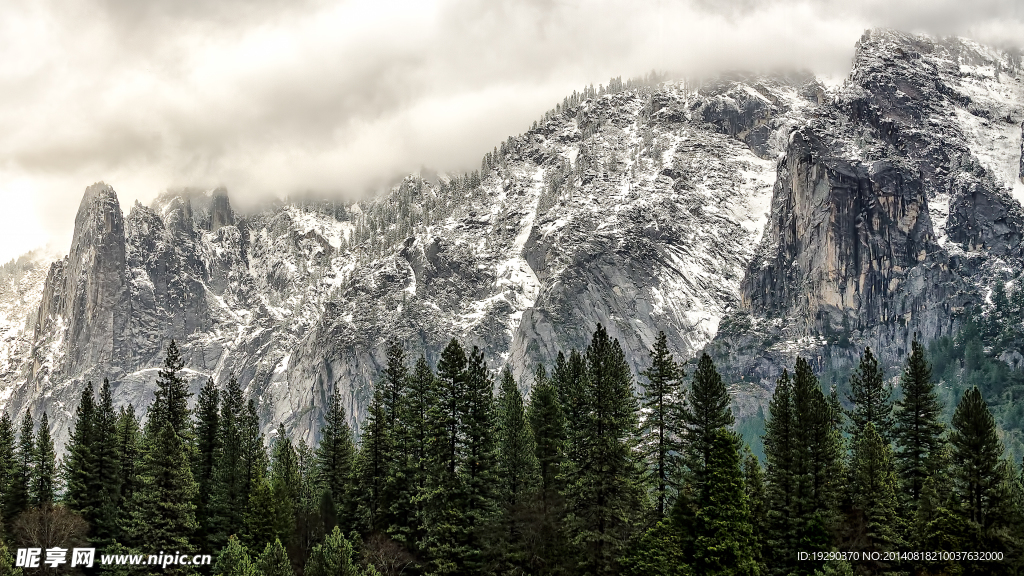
[755, 216]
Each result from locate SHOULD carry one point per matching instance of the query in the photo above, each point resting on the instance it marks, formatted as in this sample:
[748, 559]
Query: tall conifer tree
[206, 455]
[335, 458]
[8, 465]
[779, 450]
[106, 464]
[918, 429]
[870, 398]
[976, 455]
[724, 538]
[415, 433]
[705, 410]
[44, 465]
[663, 406]
[604, 489]
[78, 467]
[479, 459]
[874, 489]
[518, 474]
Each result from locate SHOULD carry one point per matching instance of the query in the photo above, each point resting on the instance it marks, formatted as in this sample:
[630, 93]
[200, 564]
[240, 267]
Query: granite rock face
[894, 209]
[757, 217]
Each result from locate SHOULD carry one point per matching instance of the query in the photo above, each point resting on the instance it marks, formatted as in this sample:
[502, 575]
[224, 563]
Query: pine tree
[870, 398]
[917, 429]
[78, 465]
[548, 426]
[753, 484]
[129, 448]
[229, 491]
[604, 490]
[976, 453]
[724, 537]
[779, 449]
[395, 387]
[19, 497]
[253, 455]
[106, 484]
[7, 563]
[817, 462]
[874, 489]
[170, 403]
[285, 483]
[274, 561]
[309, 522]
[446, 540]
[234, 560]
[8, 466]
[518, 473]
[705, 410]
[262, 516]
[414, 435]
[372, 465]
[206, 454]
[662, 404]
[44, 465]
[335, 456]
[479, 459]
[334, 557]
[162, 510]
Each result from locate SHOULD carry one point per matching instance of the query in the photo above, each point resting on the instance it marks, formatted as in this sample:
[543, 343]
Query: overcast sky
[271, 97]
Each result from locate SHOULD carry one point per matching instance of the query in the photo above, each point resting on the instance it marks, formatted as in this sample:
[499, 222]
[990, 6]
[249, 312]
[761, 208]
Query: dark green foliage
[78, 464]
[372, 465]
[874, 488]
[309, 522]
[128, 446]
[803, 450]
[335, 458]
[44, 465]
[285, 484]
[479, 460]
[548, 426]
[518, 475]
[414, 434]
[780, 453]
[229, 491]
[90, 468]
[263, 516]
[917, 428]
[333, 557]
[870, 398]
[705, 410]
[234, 560]
[724, 538]
[663, 404]
[757, 503]
[17, 499]
[657, 552]
[274, 561]
[447, 533]
[817, 463]
[206, 455]
[170, 403]
[162, 510]
[8, 465]
[604, 489]
[976, 455]
[106, 481]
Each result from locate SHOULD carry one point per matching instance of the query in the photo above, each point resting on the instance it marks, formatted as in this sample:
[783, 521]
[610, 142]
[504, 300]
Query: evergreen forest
[456, 472]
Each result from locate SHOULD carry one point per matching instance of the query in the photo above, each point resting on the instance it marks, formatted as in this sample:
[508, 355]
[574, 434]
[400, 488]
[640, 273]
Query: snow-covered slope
[765, 216]
[637, 208]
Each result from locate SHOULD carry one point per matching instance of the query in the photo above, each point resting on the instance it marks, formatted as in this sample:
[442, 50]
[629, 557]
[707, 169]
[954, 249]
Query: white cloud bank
[272, 97]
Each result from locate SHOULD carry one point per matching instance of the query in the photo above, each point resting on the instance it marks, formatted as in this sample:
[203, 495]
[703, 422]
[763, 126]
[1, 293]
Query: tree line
[586, 477]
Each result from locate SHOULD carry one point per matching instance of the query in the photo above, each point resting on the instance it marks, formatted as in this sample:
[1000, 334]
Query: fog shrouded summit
[765, 215]
[273, 98]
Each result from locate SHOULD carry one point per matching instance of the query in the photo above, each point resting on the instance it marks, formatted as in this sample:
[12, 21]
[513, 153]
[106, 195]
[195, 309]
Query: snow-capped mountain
[763, 215]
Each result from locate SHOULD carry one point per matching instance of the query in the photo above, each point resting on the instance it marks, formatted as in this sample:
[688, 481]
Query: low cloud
[277, 97]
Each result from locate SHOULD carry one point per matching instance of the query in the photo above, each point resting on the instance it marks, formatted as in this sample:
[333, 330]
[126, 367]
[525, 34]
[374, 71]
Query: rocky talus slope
[757, 216]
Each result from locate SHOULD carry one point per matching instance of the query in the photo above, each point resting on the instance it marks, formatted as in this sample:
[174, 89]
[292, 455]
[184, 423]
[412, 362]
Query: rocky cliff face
[893, 209]
[765, 216]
